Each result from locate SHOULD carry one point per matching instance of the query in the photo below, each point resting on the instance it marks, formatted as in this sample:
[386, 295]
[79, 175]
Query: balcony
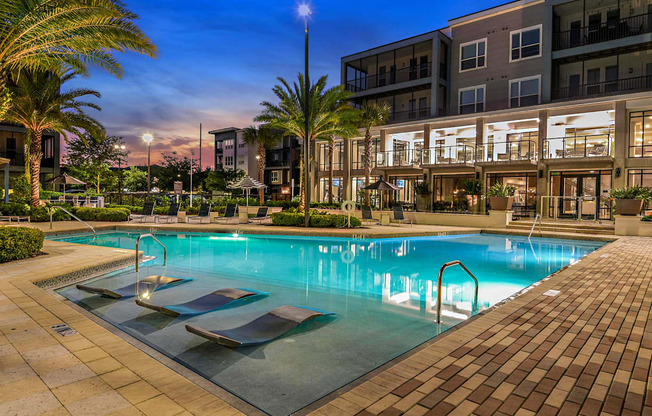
[399, 158]
[603, 32]
[606, 87]
[401, 116]
[389, 78]
[507, 151]
[15, 158]
[449, 155]
[597, 145]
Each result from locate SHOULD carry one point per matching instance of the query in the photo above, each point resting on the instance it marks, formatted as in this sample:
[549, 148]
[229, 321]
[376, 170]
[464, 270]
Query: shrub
[647, 218]
[501, 190]
[632, 192]
[19, 242]
[103, 214]
[316, 220]
[14, 208]
[422, 188]
[288, 219]
[42, 214]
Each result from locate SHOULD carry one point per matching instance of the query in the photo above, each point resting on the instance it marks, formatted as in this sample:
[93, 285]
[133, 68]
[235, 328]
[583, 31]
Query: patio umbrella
[65, 179]
[381, 185]
[247, 183]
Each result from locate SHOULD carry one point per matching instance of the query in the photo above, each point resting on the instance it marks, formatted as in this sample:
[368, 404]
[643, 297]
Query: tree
[39, 105]
[95, 156]
[327, 108]
[58, 36]
[371, 115]
[264, 138]
[220, 178]
[135, 180]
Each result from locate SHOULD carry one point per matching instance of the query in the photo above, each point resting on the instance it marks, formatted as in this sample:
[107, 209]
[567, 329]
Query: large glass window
[524, 91]
[473, 55]
[472, 100]
[639, 177]
[640, 134]
[325, 189]
[337, 156]
[525, 43]
[525, 197]
[357, 153]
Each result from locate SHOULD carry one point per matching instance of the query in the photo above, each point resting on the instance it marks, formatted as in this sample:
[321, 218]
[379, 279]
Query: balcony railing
[15, 158]
[606, 87]
[610, 30]
[578, 146]
[507, 151]
[398, 158]
[400, 116]
[446, 155]
[389, 78]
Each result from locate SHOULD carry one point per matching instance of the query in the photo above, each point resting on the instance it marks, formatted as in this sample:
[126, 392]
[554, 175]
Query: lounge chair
[399, 215]
[54, 200]
[145, 286]
[69, 199]
[202, 215]
[207, 303]
[261, 215]
[262, 329]
[147, 212]
[229, 214]
[17, 218]
[171, 215]
[367, 217]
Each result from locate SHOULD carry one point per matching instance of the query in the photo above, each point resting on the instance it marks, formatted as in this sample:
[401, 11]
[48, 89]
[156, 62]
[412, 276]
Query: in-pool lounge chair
[204, 304]
[399, 215]
[203, 214]
[229, 214]
[262, 329]
[147, 285]
[147, 212]
[171, 216]
[261, 215]
[367, 217]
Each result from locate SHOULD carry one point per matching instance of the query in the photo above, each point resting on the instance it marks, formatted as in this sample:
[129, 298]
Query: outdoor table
[384, 218]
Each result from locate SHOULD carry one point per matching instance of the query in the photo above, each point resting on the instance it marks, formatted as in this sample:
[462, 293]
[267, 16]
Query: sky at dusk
[219, 59]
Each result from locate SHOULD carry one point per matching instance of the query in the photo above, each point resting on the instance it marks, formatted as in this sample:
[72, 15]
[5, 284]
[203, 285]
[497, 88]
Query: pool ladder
[439, 279]
[165, 250]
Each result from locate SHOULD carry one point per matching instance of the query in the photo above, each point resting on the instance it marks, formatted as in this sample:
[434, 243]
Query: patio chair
[69, 199]
[261, 215]
[399, 215]
[367, 216]
[54, 200]
[147, 285]
[171, 215]
[17, 218]
[94, 201]
[147, 212]
[203, 214]
[229, 214]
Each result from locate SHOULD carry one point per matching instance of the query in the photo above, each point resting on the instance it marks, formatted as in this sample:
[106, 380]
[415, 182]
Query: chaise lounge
[203, 215]
[146, 286]
[145, 214]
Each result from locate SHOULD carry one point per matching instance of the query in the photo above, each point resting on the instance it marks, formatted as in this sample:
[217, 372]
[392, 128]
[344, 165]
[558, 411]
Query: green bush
[19, 242]
[647, 218]
[501, 190]
[632, 192]
[289, 219]
[103, 214]
[42, 214]
[14, 208]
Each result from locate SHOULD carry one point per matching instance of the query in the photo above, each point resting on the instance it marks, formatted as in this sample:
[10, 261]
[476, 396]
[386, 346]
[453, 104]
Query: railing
[444, 155]
[578, 146]
[15, 158]
[596, 33]
[605, 87]
[73, 216]
[398, 158]
[506, 151]
[536, 217]
[165, 250]
[439, 280]
[400, 116]
[389, 78]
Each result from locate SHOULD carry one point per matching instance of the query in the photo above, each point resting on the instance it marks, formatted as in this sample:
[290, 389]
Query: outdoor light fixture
[304, 10]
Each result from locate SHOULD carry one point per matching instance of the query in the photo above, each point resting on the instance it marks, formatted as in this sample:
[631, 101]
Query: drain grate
[63, 329]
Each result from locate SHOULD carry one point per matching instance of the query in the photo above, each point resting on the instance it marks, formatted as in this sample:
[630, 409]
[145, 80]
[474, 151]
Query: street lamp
[121, 147]
[305, 12]
[148, 139]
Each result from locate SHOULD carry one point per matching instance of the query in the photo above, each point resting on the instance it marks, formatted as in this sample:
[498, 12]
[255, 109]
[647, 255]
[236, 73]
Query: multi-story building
[231, 151]
[552, 97]
[12, 148]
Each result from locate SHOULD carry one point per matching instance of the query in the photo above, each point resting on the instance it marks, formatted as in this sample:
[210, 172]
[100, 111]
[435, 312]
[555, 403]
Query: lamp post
[305, 12]
[148, 139]
[192, 156]
[120, 147]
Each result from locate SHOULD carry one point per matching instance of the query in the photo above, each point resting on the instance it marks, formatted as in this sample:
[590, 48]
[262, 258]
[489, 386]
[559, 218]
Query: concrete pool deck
[584, 351]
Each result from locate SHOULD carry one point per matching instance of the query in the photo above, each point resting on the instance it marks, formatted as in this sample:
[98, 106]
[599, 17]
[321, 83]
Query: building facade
[552, 97]
[231, 152]
[12, 147]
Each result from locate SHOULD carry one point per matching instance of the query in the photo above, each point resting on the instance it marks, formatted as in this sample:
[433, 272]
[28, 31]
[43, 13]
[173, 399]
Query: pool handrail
[536, 217]
[73, 216]
[165, 249]
[439, 280]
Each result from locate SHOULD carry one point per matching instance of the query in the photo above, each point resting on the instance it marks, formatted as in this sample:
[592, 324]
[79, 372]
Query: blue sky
[219, 59]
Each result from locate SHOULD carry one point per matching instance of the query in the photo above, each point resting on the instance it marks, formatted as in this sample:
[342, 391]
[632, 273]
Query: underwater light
[235, 235]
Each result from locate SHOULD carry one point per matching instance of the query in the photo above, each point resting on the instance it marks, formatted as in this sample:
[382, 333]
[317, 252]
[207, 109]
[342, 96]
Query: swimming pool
[383, 292]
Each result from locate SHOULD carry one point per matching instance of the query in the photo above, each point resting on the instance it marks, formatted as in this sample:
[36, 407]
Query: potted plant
[472, 188]
[422, 191]
[501, 197]
[630, 199]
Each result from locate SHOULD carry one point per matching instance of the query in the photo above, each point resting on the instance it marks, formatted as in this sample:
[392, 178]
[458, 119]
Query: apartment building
[231, 151]
[550, 96]
[12, 148]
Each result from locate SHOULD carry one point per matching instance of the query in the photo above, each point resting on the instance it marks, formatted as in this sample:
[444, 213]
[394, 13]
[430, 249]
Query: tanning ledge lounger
[262, 329]
[207, 303]
[150, 283]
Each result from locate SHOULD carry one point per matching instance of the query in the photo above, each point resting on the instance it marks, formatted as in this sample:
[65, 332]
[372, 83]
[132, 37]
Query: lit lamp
[148, 139]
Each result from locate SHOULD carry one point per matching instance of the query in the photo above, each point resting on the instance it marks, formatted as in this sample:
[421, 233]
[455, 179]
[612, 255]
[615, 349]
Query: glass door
[580, 196]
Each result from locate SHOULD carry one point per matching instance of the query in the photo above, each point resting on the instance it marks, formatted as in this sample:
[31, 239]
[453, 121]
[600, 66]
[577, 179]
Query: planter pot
[501, 203]
[423, 203]
[629, 206]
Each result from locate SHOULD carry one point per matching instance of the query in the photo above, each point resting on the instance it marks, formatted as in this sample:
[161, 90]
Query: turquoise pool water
[383, 292]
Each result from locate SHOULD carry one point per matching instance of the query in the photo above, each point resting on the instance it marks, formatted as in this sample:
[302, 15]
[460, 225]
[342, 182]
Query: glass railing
[444, 155]
[605, 87]
[389, 78]
[398, 158]
[602, 32]
[507, 151]
[15, 158]
[399, 116]
[577, 146]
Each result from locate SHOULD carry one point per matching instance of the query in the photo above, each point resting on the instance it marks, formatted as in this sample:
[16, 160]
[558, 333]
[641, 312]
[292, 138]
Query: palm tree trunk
[35, 156]
[302, 185]
[367, 164]
[261, 172]
[331, 150]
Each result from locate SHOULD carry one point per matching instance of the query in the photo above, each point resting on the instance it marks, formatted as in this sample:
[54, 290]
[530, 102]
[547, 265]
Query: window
[357, 153]
[525, 91]
[274, 177]
[228, 144]
[639, 177]
[228, 160]
[241, 160]
[48, 147]
[640, 134]
[241, 144]
[525, 43]
[472, 99]
[473, 55]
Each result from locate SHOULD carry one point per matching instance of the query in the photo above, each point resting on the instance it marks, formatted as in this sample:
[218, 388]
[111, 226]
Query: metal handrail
[165, 250]
[534, 224]
[72, 215]
[441, 273]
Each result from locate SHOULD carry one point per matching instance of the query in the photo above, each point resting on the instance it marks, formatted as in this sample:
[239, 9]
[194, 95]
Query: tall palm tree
[264, 138]
[39, 105]
[63, 35]
[371, 115]
[328, 107]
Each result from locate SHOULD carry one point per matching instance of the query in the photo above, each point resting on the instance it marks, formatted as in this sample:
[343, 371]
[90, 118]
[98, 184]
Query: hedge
[19, 242]
[36, 214]
[316, 220]
[103, 214]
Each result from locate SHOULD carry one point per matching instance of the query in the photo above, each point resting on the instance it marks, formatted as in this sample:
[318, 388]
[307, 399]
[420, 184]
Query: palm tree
[371, 115]
[264, 138]
[58, 36]
[328, 107]
[39, 105]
